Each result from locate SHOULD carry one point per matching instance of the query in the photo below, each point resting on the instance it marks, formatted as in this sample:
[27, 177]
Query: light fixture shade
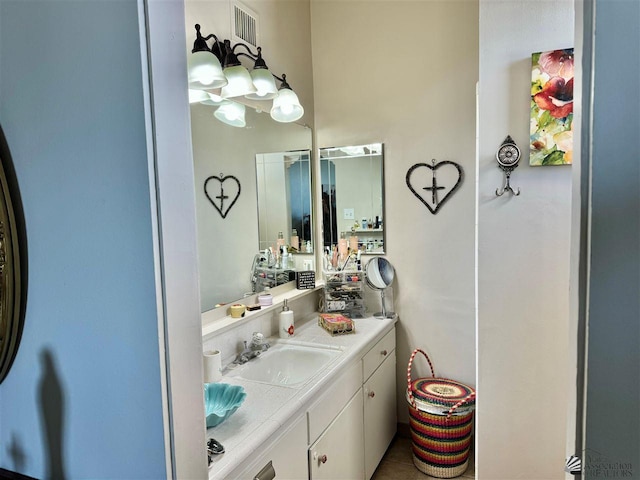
[205, 71]
[240, 82]
[286, 107]
[231, 113]
[264, 83]
[196, 96]
[212, 99]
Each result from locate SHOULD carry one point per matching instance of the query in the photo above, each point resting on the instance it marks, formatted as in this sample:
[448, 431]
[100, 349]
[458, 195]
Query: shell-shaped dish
[220, 401]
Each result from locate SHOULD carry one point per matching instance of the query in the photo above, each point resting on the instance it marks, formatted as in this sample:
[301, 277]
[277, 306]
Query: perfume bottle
[295, 240]
[280, 241]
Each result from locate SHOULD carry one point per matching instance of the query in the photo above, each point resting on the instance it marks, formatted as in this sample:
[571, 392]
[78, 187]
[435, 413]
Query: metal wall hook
[507, 186]
[508, 155]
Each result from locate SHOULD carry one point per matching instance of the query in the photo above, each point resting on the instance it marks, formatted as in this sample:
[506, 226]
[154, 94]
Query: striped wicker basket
[441, 418]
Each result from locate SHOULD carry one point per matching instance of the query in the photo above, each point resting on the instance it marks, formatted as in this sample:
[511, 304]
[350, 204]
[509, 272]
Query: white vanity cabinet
[350, 432]
[340, 428]
[379, 391]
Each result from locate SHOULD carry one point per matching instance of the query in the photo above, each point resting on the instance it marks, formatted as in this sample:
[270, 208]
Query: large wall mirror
[353, 196]
[261, 183]
[13, 265]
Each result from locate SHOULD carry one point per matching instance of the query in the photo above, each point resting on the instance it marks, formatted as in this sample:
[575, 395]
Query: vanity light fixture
[203, 64]
[231, 113]
[218, 68]
[286, 106]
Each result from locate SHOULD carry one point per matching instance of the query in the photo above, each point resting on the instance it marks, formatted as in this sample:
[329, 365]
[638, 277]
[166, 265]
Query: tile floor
[397, 463]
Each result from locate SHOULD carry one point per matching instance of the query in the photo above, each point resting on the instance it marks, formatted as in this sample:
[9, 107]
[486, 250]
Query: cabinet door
[339, 452]
[288, 455]
[380, 422]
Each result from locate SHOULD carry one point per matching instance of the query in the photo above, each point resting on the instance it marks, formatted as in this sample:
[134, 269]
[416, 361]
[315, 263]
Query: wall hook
[507, 186]
[508, 156]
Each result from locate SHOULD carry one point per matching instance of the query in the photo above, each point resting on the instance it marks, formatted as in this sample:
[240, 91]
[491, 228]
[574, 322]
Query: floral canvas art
[551, 126]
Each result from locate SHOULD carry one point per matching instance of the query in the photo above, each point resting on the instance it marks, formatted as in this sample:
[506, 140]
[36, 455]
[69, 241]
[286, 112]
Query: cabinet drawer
[374, 357]
[288, 455]
[322, 413]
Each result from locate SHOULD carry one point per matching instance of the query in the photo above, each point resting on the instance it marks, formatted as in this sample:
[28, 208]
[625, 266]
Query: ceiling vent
[244, 25]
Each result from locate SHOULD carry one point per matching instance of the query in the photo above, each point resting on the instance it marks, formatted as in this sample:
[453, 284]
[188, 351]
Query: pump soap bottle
[286, 321]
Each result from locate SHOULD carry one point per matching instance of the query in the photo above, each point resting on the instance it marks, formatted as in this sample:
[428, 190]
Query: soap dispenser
[286, 321]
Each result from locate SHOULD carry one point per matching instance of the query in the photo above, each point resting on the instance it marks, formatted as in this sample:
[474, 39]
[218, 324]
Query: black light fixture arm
[200, 43]
[283, 80]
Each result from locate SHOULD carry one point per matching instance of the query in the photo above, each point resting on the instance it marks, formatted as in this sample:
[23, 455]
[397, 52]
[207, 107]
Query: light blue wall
[71, 105]
[613, 370]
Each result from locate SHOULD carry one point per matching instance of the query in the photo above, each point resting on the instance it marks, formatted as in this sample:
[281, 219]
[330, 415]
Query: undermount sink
[286, 364]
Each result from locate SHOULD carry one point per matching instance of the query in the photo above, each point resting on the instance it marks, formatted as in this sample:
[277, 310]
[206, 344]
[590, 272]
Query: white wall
[523, 256]
[404, 73]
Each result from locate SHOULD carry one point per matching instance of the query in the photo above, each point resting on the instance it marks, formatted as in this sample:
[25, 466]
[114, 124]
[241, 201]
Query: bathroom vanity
[335, 424]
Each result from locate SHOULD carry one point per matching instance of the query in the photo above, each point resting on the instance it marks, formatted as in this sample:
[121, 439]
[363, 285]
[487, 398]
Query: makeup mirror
[234, 171]
[352, 181]
[379, 275]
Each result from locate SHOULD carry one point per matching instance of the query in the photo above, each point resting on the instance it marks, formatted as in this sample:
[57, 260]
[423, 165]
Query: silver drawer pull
[267, 472]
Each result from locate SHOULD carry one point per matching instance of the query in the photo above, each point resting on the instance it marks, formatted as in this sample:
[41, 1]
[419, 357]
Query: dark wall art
[223, 192]
[434, 184]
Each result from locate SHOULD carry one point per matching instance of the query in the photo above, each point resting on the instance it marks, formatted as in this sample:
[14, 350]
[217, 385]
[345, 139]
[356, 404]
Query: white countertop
[267, 408]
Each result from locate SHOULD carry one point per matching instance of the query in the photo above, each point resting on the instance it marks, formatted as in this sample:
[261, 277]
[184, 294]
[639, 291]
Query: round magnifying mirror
[379, 275]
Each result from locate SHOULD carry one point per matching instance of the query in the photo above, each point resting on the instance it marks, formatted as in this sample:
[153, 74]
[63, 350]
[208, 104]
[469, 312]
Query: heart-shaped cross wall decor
[421, 177]
[222, 192]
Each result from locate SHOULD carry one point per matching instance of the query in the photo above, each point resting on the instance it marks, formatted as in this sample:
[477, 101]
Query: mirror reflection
[352, 180]
[284, 200]
[228, 245]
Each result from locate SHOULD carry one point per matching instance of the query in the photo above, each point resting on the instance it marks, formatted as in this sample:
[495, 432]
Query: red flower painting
[551, 129]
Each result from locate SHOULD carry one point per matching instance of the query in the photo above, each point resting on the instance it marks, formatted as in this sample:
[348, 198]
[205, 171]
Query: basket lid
[441, 391]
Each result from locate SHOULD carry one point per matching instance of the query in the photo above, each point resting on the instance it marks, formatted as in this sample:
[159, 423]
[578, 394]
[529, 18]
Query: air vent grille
[245, 25]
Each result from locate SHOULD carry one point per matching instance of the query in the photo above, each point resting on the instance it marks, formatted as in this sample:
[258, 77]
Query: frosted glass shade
[212, 99]
[240, 82]
[196, 96]
[264, 83]
[231, 113]
[205, 71]
[286, 107]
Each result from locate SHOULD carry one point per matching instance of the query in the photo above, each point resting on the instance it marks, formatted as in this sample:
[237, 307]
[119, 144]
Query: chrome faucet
[254, 349]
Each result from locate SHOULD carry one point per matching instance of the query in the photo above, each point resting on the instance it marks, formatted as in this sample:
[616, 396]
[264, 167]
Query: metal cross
[222, 196]
[434, 186]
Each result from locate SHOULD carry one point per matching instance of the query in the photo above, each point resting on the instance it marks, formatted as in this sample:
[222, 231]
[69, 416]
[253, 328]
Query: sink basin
[286, 364]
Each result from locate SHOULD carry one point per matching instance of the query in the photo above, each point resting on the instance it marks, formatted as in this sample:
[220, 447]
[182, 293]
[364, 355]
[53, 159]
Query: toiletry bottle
[342, 246]
[295, 241]
[280, 241]
[364, 224]
[285, 257]
[286, 321]
[370, 225]
[309, 248]
[353, 243]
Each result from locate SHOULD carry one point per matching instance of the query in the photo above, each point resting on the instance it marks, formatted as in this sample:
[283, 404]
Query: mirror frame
[13, 262]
